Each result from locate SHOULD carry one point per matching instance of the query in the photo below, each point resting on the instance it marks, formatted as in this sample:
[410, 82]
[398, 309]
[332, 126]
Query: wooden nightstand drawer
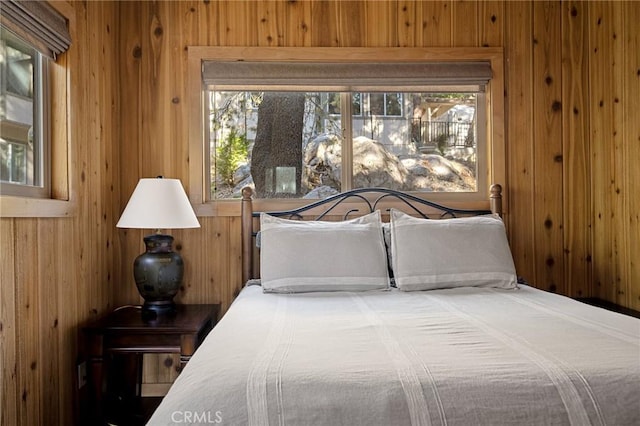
[148, 343]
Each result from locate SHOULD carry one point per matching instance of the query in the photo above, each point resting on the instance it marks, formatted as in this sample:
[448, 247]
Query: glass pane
[21, 152]
[14, 162]
[283, 144]
[19, 72]
[376, 103]
[5, 161]
[357, 104]
[431, 148]
[334, 103]
[393, 104]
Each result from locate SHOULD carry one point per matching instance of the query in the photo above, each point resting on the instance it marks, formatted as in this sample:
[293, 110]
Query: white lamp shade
[158, 204]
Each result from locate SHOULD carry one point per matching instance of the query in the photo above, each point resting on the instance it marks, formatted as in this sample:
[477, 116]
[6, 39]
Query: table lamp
[158, 204]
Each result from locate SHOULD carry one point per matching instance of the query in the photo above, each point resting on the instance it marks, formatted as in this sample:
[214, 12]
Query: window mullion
[208, 150]
[346, 119]
[44, 120]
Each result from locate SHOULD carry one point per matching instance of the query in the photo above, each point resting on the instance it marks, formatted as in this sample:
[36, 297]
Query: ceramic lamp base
[158, 273]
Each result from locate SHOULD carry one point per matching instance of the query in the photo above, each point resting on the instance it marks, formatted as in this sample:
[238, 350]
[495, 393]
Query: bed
[413, 322]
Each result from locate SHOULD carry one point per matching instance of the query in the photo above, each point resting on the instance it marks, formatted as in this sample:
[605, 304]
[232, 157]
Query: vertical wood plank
[72, 287]
[224, 287]
[125, 289]
[297, 21]
[233, 19]
[351, 25]
[547, 124]
[269, 24]
[153, 139]
[217, 243]
[491, 23]
[131, 152]
[210, 22]
[409, 25]
[49, 262]
[191, 246]
[576, 152]
[99, 99]
[235, 257]
[27, 322]
[207, 261]
[618, 99]
[69, 318]
[464, 31]
[380, 24]
[519, 56]
[130, 82]
[631, 78]
[170, 89]
[8, 328]
[196, 12]
[603, 177]
[491, 33]
[79, 86]
[109, 164]
[177, 105]
[324, 25]
[436, 23]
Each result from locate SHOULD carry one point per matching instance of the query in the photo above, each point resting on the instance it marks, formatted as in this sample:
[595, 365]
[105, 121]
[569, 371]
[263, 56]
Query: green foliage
[230, 153]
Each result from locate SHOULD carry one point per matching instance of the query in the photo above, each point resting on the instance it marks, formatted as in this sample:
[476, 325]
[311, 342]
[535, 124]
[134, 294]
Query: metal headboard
[368, 198]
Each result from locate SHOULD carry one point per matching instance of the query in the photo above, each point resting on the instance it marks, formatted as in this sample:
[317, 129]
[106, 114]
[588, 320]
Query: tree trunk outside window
[278, 142]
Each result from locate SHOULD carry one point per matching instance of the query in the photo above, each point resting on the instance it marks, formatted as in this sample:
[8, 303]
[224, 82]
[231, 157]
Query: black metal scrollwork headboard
[357, 201]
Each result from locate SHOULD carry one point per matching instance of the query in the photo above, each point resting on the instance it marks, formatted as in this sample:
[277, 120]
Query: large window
[24, 142]
[328, 120]
[290, 144]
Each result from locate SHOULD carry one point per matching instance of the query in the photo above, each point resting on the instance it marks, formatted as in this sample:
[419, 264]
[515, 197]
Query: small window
[333, 103]
[24, 142]
[385, 104]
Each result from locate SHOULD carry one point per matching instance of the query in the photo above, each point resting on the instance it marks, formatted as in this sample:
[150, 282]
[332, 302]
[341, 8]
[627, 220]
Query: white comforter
[467, 356]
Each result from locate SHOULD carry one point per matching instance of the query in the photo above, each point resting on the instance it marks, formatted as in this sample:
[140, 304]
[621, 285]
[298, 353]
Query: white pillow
[305, 256]
[430, 254]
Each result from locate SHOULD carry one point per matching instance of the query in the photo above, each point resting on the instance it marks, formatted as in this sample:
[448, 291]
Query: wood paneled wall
[573, 140]
[58, 273]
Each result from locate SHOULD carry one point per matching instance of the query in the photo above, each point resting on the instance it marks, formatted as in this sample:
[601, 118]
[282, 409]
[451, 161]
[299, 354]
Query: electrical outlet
[82, 374]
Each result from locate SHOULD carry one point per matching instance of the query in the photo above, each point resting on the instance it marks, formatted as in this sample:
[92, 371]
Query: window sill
[11, 206]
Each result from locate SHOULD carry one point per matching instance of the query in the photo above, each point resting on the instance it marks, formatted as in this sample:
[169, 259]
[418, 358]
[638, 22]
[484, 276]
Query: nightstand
[116, 343]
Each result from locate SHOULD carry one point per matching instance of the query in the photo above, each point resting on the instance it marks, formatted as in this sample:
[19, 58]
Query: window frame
[385, 102]
[59, 201]
[197, 55]
[41, 98]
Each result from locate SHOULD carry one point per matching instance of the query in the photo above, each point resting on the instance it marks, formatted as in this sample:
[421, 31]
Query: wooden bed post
[495, 200]
[247, 234]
